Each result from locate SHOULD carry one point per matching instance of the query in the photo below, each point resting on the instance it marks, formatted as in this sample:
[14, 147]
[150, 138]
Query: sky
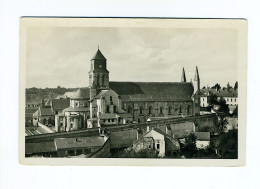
[61, 55]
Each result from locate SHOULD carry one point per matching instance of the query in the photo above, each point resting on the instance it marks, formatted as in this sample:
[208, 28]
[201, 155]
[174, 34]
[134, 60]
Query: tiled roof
[45, 111]
[203, 135]
[81, 94]
[99, 56]
[153, 91]
[31, 148]
[81, 142]
[60, 104]
[68, 94]
[122, 139]
[101, 93]
[219, 93]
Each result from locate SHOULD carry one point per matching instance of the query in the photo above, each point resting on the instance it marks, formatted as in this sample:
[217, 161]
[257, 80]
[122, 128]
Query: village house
[95, 146]
[230, 95]
[202, 139]
[155, 139]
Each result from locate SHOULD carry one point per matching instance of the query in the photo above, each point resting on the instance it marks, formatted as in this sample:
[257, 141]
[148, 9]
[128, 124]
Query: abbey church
[107, 102]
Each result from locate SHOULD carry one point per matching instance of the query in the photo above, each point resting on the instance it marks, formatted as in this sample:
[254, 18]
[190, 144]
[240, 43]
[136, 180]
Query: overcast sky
[61, 56]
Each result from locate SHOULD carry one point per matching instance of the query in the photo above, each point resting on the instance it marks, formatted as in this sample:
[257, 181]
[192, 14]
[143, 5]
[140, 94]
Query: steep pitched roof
[83, 93]
[99, 56]
[60, 104]
[153, 91]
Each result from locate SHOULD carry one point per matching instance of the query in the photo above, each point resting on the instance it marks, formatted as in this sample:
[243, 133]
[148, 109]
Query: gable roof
[153, 91]
[60, 104]
[83, 93]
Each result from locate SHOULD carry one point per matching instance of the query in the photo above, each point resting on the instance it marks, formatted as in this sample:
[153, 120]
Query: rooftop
[153, 91]
[81, 94]
[81, 142]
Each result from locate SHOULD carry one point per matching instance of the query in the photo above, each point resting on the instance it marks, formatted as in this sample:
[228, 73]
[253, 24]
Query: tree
[189, 149]
[223, 107]
[227, 144]
[228, 86]
[236, 85]
[222, 124]
[235, 111]
[216, 86]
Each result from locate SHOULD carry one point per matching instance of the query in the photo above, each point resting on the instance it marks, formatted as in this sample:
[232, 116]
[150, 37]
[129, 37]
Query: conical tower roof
[183, 76]
[197, 77]
[98, 56]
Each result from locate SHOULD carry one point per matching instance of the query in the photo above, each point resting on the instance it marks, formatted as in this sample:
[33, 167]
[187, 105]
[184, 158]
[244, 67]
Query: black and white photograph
[133, 90]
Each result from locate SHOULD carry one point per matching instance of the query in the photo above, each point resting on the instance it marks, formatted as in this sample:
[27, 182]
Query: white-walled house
[158, 141]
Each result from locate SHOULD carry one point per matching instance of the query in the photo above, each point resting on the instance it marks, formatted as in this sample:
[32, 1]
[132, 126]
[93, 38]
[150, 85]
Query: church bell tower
[98, 74]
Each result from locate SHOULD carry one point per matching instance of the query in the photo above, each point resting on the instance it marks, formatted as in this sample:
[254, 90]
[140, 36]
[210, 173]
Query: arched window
[188, 108]
[161, 110]
[98, 80]
[129, 110]
[180, 109]
[150, 110]
[103, 80]
[169, 110]
[141, 109]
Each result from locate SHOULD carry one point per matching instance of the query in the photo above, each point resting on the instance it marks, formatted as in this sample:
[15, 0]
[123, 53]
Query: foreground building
[107, 103]
[158, 141]
[95, 146]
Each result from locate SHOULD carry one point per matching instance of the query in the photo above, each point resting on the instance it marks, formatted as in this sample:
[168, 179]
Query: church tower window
[169, 110]
[129, 110]
[180, 109]
[141, 109]
[150, 110]
[161, 110]
[188, 108]
[103, 80]
[98, 80]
